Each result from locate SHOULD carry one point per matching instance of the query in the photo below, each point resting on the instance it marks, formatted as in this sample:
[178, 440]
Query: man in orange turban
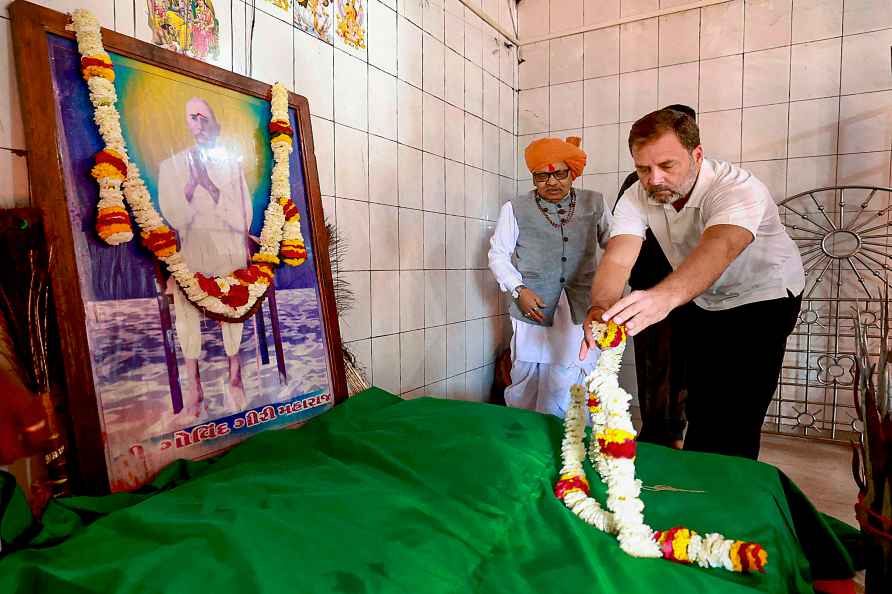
[543, 253]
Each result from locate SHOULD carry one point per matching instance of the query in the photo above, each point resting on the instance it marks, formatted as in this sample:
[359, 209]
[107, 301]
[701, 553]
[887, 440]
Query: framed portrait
[150, 377]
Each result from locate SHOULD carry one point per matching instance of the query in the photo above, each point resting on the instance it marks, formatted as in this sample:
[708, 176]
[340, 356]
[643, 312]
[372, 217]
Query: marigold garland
[612, 451]
[231, 296]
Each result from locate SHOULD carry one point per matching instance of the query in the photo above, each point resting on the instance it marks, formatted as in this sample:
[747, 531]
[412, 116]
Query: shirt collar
[698, 193]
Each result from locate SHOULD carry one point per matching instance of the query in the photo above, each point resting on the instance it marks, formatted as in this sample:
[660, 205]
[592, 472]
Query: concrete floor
[822, 470]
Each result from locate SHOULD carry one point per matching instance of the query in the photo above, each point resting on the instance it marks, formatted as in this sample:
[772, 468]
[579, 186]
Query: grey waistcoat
[552, 259]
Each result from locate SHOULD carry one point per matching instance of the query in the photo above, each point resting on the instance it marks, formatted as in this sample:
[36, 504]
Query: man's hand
[595, 314]
[640, 309]
[529, 304]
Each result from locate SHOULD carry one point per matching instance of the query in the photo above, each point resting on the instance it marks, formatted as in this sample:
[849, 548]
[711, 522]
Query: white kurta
[213, 233]
[545, 360]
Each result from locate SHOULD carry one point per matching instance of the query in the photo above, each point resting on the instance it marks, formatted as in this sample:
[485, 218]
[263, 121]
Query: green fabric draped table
[428, 496]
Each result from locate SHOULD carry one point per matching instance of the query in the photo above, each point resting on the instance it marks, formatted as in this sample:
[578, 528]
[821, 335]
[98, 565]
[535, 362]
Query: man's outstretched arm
[609, 282]
[718, 247]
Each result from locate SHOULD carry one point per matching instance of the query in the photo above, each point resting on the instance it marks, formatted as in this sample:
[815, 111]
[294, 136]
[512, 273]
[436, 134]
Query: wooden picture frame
[40, 38]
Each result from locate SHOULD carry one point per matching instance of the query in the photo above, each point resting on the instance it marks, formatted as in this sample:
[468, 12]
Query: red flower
[625, 449]
[208, 285]
[246, 275]
[280, 127]
[564, 485]
[110, 157]
[236, 297]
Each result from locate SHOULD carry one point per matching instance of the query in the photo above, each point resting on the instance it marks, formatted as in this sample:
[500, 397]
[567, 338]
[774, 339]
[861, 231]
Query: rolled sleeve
[630, 216]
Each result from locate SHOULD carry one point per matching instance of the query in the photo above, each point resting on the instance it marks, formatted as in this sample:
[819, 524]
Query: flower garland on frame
[612, 451]
[230, 297]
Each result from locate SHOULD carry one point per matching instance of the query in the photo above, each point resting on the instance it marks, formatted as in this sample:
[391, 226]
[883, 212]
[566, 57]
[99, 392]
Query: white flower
[103, 97]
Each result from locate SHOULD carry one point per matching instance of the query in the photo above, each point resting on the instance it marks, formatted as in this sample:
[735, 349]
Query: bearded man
[731, 256]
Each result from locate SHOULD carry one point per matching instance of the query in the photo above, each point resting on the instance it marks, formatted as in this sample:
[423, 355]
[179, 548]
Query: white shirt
[213, 233]
[723, 195]
[558, 344]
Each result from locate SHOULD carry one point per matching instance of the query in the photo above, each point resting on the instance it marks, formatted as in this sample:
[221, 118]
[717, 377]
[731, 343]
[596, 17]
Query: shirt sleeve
[630, 217]
[604, 225]
[501, 247]
[742, 205]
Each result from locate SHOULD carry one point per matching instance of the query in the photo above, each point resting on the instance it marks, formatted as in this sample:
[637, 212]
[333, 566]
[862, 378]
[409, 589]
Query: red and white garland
[231, 296]
[612, 451]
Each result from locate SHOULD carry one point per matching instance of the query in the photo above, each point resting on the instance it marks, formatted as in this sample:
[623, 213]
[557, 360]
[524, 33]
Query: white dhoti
[213, 235]
[545, 363]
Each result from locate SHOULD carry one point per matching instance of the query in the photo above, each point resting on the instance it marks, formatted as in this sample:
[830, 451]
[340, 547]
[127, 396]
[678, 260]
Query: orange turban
[553, 150]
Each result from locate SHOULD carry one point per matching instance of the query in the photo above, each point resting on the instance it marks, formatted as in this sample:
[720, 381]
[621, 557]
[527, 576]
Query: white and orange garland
[612, 451]
[231, 296]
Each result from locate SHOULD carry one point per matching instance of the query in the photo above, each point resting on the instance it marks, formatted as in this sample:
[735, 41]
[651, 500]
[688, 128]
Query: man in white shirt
[720, 229]
[543, 253]
[204, 196]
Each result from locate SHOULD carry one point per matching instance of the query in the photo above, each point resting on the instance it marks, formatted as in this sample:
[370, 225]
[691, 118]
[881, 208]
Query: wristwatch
[515, 294]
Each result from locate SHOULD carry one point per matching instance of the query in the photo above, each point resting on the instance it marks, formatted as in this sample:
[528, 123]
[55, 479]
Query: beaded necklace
[571, 209]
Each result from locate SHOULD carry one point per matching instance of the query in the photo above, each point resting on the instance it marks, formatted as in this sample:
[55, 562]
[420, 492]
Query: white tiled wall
[782, 86]
[415, 142]
[797, 91]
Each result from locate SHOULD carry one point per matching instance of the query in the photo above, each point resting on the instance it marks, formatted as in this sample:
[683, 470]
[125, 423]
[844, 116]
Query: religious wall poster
[189, 27]
[351, 23]
[314, 17]
[217, 319]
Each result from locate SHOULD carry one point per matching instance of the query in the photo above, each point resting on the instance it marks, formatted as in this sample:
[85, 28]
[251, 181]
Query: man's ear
[697, 153]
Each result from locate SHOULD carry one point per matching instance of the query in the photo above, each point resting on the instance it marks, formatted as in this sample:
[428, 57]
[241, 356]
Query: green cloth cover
[428, 496]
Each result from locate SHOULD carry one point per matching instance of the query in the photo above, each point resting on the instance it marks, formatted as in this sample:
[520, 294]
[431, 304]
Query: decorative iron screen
[843, 235]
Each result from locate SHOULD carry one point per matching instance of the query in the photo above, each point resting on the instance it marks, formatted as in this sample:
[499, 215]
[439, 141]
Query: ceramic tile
[862, 72]
[639, 45]
[314, 74]
[766, 77]
[382, 104]
[566, 106]
[434, 67]
[815, 70]
[601, 97]
[768, 24]
[679, 38]
[384, 237]
[411, 299]
[352, 179]
[435, 354]
[411, 224]
[409, 167]
[865, 122]
[814, 127]
[721, 30]
[765, 132]
[411, 360]
[601, 52]
[816, 19]
[385, 302]
[356, 324]
[433, 125]
[383, 167]
[721, 83]
[386, 362]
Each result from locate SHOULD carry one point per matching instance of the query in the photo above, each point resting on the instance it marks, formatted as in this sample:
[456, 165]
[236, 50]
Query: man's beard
[675, 194]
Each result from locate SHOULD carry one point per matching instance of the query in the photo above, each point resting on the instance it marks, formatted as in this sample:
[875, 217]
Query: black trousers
[659, 356]
[734, 359]
[660, 369]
